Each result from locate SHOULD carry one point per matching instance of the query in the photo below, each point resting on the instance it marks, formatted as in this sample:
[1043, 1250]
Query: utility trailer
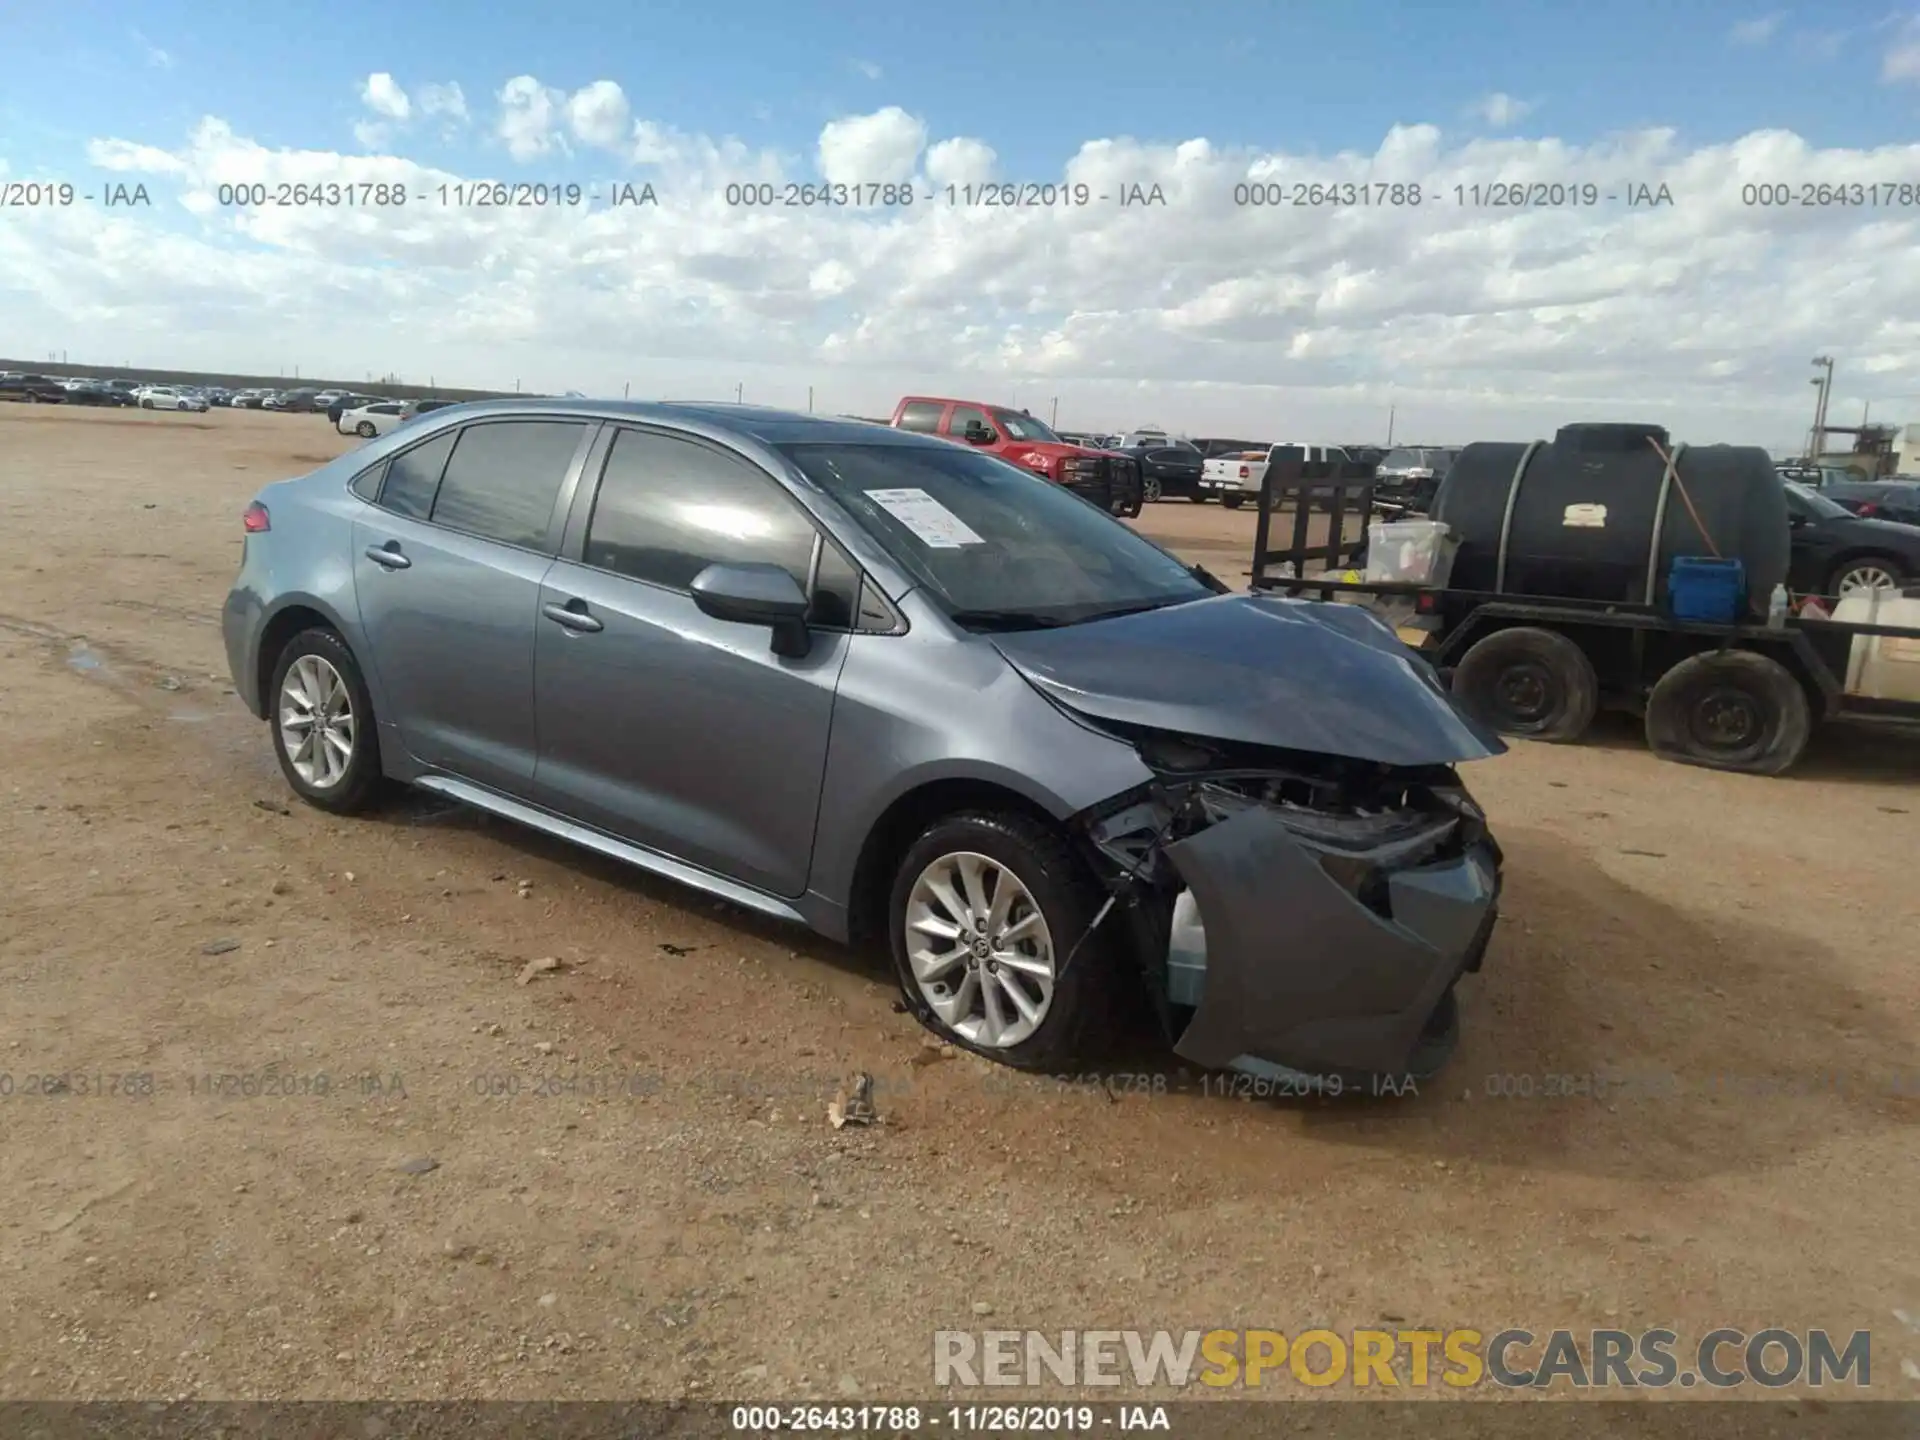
[1741, 697]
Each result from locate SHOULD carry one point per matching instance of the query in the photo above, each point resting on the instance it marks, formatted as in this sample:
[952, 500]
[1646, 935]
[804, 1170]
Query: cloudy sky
[1470, 316]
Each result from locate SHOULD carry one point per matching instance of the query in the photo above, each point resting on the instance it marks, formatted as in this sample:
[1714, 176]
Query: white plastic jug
[1882, 667]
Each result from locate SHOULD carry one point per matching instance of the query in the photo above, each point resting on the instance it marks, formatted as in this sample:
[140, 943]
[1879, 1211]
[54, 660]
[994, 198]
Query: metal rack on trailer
[1741, 697]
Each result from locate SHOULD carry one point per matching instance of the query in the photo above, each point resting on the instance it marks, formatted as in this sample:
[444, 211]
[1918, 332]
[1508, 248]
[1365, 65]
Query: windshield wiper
[1006, 620]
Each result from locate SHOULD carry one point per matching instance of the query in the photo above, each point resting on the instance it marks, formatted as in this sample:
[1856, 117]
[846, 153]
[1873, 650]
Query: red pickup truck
[1098, 476]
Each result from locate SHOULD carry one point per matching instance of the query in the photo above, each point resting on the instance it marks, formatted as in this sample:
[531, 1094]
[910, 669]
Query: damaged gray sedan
[896, 690]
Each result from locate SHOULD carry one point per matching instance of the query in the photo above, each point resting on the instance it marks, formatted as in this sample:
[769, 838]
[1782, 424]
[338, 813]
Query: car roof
[763, 423]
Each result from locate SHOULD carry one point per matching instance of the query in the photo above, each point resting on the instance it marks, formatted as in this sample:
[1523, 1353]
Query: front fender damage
[1303, 916]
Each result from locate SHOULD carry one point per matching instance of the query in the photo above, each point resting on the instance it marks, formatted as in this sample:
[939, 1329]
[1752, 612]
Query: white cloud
[868, 69]
[1479, 320]
[1757, 31]
[529, 116]
[448, 102]
[1902, 60]
[385, 98]
[960, 161]
[159, 59]
[599, 114]
[1501, 110]
[877, 149]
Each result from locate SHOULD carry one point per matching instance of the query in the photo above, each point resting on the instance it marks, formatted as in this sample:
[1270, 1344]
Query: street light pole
[1823, 363]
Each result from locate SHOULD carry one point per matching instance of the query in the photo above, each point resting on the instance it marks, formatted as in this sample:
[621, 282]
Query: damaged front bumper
[1292, 941]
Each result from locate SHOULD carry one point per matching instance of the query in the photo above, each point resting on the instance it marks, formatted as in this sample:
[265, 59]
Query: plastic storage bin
[1883, 667]
[1412, 552]
[1711, 591]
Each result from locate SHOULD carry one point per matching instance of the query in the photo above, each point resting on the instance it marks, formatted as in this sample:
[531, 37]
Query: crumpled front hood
[1296, 674]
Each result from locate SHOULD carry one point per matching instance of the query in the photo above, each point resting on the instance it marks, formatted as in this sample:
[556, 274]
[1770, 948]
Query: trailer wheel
[1529, 682]
[1729, 710]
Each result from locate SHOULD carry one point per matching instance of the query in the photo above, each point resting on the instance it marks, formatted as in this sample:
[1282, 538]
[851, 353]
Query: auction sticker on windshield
[935, 526]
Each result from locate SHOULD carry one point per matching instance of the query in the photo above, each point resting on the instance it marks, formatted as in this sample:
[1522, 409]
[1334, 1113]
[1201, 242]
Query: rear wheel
[1198, 497]
[1533, 683]
[1233, 502]
[985, 912]
[323, 725]
[1729, 710]
[365, 429]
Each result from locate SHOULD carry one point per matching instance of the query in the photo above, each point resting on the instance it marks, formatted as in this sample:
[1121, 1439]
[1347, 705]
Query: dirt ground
[635, 1192]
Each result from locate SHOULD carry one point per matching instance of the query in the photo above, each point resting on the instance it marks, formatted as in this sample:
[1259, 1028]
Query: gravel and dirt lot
[311, 1136]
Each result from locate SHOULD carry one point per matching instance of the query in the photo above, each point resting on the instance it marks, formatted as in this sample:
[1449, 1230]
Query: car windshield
[1403, 460]
[1817, 505]
[1024, 427]
[995, 546]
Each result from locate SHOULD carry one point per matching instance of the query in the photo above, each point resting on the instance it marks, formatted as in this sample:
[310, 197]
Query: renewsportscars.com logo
[1459, 1359]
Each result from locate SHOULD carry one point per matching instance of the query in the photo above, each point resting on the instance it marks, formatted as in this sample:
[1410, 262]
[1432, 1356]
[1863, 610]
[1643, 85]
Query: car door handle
[388, 555]
[573, 615]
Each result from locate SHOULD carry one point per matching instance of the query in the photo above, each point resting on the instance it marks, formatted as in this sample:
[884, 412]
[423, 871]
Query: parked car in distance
[414, 409]
[165, 397]
[907, 693]
[1894, 499]
[250, 399]
[1838, 553]
[1169, 468]
[99, 395]
[1236, 478]
[369, 420]
[1097, 476]
[1411, 476]
[343, 403]
[32, 389]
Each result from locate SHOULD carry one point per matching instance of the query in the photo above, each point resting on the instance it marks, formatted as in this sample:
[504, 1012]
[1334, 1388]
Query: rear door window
[504, 478]
[921, 415]
[413, 477]
[965, 416]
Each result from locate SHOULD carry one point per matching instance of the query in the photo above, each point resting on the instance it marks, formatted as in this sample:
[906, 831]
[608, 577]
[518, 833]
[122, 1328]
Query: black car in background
[33, 389]
[1168, 468]
[1215, 446]
[1837, 553]
[1411, 474]
[104, 396]
[1878, 499]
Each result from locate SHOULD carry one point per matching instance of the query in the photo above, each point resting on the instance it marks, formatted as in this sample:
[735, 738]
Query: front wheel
[323, 726]
[1150, 491]
[1528, 682]
[1729, 710]
[985, 911]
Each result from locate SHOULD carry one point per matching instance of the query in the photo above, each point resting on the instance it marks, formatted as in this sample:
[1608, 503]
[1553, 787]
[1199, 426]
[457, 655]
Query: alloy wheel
[1866, 576]
[981, 953]
[1150, 490]
[318, 726]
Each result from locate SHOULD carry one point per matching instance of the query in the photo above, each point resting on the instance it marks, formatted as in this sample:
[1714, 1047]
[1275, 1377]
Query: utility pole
[1823, 363]
[1055, 421]
[738, 391]
[1390, 412]
[809, 399]
[626, 391]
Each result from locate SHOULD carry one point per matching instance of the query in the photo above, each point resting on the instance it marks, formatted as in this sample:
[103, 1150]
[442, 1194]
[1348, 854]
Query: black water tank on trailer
[1583, 514]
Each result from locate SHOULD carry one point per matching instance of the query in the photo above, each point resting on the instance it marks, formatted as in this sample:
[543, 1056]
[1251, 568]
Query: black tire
[1083, 1011]
[1198, 497]
[359, 787]
[1729, 710]
[1150, 491]
[1533, 683]
[1233, 502]
[1884, 564]
[365, 430]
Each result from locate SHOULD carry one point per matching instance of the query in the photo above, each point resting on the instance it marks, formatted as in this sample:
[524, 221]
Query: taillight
[1868, 509]
[1245, 473]
[1426, 603]
[254, 519]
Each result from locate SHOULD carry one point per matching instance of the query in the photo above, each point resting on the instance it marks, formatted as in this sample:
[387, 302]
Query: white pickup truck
[1236, 477]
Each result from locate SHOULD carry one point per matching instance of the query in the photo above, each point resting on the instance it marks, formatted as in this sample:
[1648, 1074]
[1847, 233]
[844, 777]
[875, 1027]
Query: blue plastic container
[1713, 591]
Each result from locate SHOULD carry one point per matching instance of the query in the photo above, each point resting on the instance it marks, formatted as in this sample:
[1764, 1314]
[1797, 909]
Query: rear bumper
[1300, 977]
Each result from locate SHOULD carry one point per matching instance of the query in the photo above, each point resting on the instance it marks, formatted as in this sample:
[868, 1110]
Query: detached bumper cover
[1303, 976]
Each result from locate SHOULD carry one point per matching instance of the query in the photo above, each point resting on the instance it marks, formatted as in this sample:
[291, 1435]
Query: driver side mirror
[978, 434]
[757, 594]
[1795, 521]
